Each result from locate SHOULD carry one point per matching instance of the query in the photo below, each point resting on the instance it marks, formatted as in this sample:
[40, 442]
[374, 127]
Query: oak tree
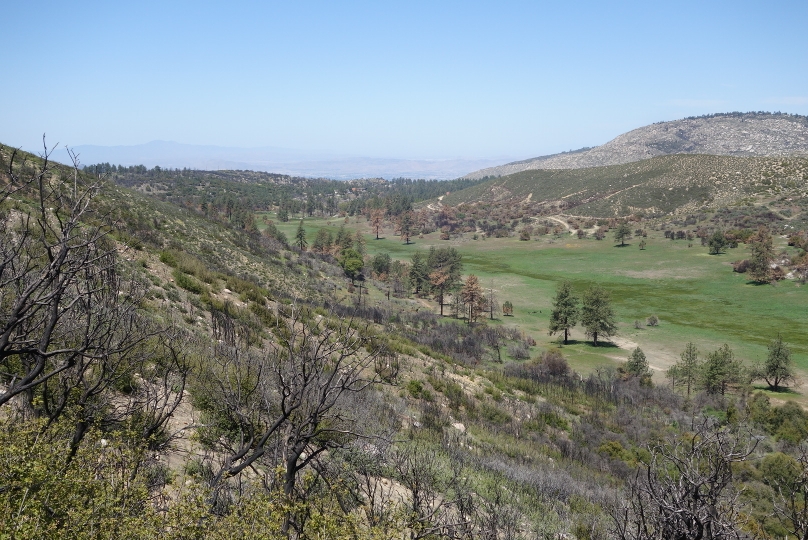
[622, 232]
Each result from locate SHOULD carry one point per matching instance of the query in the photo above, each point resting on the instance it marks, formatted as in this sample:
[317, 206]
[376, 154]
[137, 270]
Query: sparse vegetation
[286, 391]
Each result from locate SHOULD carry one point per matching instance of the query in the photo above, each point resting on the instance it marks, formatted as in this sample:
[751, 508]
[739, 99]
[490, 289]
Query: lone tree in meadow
[597, 315]
[622, 232]
[507, 308]
[300, 237]
[406, 225]
[565, 311]
[778, 368]
[718, 243]
[376, 220]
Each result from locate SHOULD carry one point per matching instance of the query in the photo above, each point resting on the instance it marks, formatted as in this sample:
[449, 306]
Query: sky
[416, 80]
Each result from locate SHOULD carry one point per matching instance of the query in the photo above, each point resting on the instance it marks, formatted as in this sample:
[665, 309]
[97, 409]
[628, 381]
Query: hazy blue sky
[395, 79]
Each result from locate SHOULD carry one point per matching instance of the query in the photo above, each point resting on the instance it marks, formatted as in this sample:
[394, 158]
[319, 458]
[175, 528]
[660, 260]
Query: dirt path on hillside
[557, 220]
[436, 206]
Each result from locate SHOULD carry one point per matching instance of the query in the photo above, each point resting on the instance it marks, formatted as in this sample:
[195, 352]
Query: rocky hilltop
[731, 134]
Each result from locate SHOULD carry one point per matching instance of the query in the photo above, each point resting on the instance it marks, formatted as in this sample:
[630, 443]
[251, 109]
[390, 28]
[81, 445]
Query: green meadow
[696, 296]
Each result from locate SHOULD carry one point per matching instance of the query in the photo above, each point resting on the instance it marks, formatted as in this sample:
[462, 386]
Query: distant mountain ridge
[754, 134]
[168, 154]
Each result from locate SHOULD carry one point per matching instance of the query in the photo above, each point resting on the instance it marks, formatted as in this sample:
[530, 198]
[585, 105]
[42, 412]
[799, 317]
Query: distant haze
[168, 154]
[416, 80]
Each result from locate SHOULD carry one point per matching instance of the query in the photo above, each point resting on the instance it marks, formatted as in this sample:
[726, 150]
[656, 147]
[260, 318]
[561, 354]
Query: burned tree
[287, 404]
[685, 490]
[64, 308]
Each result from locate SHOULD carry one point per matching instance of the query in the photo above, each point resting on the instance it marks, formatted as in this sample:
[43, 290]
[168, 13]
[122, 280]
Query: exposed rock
[732, 134]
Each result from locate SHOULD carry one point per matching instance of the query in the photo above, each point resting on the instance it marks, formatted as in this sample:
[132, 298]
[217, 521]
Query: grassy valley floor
[696, 296]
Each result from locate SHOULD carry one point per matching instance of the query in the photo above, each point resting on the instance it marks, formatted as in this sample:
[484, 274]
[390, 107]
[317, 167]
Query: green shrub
[188, 283]
[167, 257]
[494, 414]
[415, 388]
[264, 314]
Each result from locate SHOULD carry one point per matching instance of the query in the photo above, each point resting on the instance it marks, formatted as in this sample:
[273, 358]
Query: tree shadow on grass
[783, 390]
[757, 283]
[622, 245]
[602, 345]
[560, 342]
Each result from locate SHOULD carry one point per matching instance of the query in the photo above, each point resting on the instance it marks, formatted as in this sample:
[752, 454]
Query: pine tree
[720, 370]
[637, 366]
[597, 315]
[492, 303]
[565, 311]
[419, 273]
[300, 237]
[360, 244]
[688, 368]
[507, 308]
[439, 283]
[344, 239]
[473, 297]
[322, 241]
[405, 225]
[778, 368]
[376, 220]
[444, 266]
[762, 253]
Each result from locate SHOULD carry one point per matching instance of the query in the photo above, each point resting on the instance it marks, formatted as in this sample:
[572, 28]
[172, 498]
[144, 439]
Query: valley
[238, 354]
[696, 296]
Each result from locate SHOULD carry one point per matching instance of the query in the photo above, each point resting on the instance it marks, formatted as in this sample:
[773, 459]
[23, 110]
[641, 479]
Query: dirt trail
[659, 359]
[436, 206]
[557, 220]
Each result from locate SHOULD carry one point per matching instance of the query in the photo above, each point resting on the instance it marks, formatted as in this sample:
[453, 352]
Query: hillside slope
[654, 186]
[733, 134]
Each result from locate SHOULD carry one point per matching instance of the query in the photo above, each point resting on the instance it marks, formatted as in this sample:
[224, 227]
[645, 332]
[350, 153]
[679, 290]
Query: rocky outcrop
[731, 134]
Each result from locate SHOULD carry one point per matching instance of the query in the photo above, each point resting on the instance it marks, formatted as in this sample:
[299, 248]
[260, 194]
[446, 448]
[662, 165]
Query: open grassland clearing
[696, 296]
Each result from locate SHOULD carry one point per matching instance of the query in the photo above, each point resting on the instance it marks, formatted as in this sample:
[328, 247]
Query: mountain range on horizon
[169, 154]
[754, 134]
